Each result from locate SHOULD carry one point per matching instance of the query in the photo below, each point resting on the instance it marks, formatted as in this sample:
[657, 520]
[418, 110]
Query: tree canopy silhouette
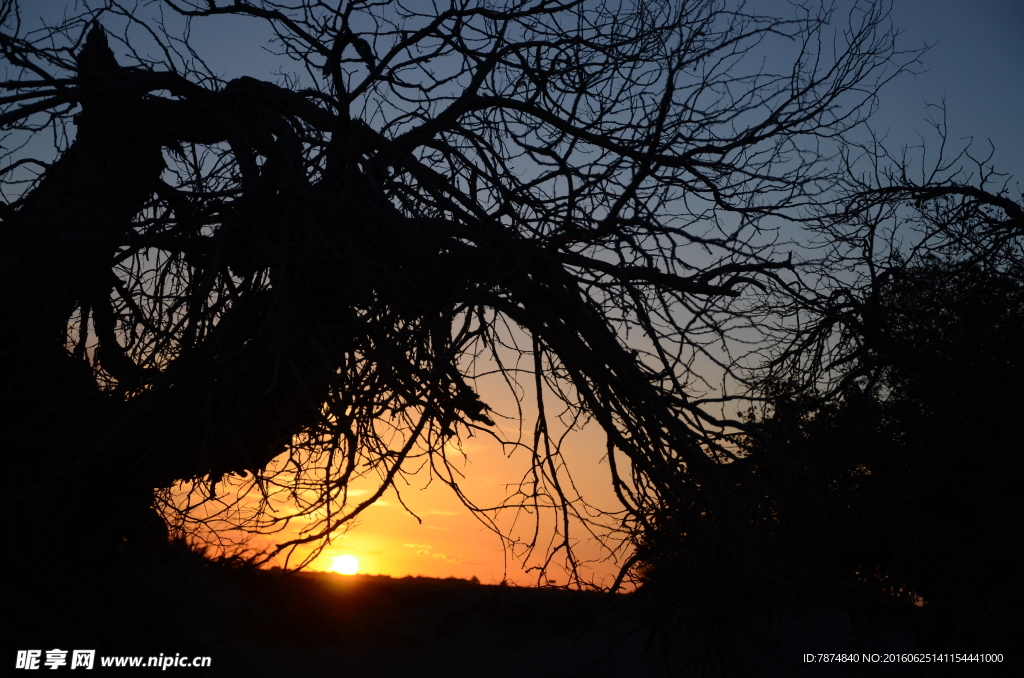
[889, 438]
[200, 276]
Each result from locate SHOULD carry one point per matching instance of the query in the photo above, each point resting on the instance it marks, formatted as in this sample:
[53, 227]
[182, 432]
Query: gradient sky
[976, 66]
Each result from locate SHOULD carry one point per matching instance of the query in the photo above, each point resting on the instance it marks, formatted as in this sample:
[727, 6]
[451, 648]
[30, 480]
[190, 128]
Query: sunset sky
[976, 66]
[451, 541]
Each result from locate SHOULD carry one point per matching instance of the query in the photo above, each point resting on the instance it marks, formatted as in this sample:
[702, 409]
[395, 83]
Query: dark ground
[320, 624]
[258, 623]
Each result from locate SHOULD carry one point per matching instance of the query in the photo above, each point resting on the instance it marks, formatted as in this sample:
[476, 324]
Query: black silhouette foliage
[219, 297]
[278, 289]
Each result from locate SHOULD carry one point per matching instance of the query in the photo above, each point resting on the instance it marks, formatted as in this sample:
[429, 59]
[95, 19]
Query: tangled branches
[214, 274]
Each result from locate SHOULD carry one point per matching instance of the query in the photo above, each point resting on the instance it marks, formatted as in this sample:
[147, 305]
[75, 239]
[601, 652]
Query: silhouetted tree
[888, 453]
[200, 277]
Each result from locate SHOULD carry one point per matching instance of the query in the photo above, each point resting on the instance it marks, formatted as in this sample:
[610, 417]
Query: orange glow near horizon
[445, 539]
[421, 527]
[345, 564]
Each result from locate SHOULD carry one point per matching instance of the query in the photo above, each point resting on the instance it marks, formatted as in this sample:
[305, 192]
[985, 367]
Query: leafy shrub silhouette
[895, 498]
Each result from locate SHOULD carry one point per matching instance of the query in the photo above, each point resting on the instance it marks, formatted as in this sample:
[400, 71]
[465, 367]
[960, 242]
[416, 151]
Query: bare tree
[886, 447]
[926, 207]
[200, 277]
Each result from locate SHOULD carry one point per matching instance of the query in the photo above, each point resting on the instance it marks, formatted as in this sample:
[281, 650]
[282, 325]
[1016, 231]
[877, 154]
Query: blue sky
[976, 65]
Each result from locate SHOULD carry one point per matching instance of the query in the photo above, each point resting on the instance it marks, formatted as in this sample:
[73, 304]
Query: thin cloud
[428, 550]
[420, 549]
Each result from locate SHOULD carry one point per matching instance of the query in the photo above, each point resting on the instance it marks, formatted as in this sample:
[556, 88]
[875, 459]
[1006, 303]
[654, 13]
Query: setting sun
[345, 565]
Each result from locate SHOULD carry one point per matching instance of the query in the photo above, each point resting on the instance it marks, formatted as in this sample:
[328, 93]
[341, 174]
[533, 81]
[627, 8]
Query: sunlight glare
[345, 565]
